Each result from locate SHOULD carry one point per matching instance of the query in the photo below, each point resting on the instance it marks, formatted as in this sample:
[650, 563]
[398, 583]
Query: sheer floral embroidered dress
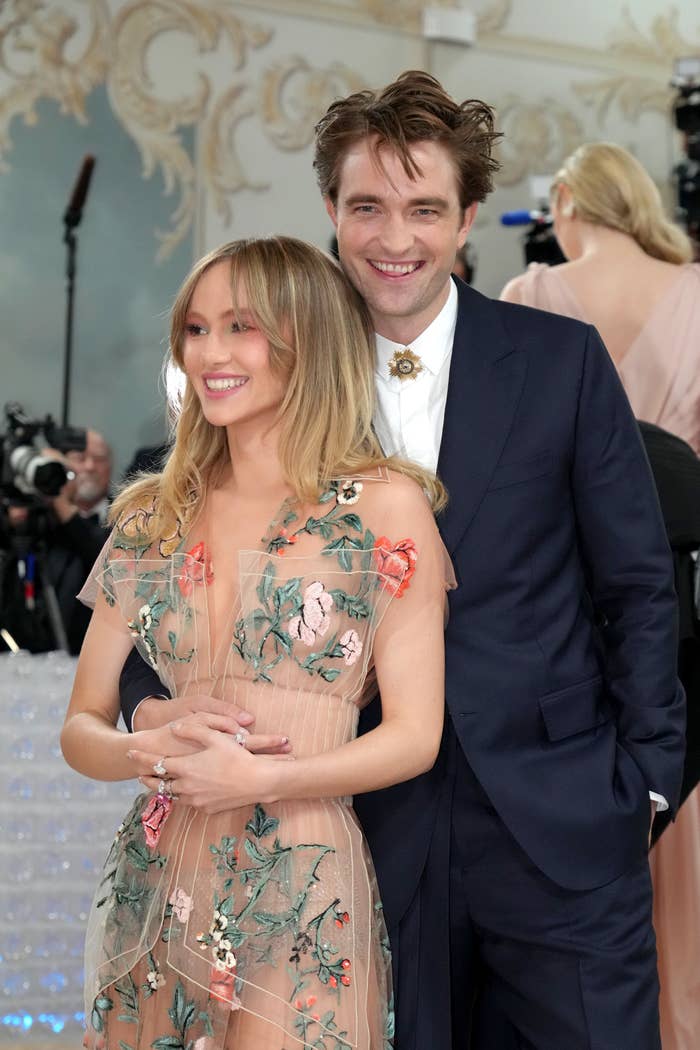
[259, 927]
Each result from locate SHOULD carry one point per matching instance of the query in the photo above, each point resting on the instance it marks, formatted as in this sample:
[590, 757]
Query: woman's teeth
[224, 384]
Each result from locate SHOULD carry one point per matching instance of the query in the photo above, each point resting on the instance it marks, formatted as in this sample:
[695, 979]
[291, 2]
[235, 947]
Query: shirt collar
[433, 345]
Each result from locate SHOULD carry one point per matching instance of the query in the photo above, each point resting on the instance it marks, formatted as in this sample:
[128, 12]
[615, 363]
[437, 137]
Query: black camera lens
[37, 473]
[687, 111]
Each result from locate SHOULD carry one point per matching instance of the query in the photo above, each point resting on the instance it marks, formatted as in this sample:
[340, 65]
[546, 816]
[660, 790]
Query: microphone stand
[71, 241]
[71, 220]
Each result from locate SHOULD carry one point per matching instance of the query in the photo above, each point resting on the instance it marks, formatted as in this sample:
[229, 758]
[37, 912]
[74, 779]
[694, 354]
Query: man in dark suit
[523, 852]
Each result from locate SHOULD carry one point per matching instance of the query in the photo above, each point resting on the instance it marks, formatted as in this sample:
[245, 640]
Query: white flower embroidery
[140, 628]
[349, 491]
[155, 980]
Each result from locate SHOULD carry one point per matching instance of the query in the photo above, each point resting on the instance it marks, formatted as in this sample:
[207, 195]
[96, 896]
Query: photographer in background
[80, 510]
[54, 540]
[93, 476]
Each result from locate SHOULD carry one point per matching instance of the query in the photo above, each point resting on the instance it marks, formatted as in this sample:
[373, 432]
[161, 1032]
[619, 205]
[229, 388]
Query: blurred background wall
[200, 114]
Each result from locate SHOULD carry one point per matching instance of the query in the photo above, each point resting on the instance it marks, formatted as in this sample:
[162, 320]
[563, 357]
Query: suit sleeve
[629, 573]
[136, 682]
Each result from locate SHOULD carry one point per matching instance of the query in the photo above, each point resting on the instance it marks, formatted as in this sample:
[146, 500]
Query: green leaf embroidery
[354, 605]
[265, 587]
[254, 852]
[260, 824]
[352, 521]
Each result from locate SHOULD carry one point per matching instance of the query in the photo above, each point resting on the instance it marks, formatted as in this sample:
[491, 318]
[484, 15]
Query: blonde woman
[629, 273]
[277, 562]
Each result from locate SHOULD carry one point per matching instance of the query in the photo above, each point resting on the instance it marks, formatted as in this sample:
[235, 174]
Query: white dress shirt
[410, 412]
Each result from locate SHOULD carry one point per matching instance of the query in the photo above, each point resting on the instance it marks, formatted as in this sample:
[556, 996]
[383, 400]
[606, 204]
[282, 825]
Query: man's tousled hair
[414, 108]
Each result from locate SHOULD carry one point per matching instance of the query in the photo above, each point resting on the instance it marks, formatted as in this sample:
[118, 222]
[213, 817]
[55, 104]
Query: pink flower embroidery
[351, 645]
[222, 984]
[314, 619]
[182, 904]
[154, 817]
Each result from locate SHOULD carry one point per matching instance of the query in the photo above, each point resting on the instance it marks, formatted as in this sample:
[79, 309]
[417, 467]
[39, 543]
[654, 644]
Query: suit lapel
[487, 374]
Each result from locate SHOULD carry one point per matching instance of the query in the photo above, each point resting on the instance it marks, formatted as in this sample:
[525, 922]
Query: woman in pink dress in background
[629, 273]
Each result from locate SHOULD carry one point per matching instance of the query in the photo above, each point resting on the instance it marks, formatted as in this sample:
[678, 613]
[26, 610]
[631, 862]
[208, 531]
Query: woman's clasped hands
[206, 764]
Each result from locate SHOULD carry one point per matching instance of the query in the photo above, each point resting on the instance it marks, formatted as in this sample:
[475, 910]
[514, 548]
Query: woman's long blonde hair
[610, 188]
[321, 341]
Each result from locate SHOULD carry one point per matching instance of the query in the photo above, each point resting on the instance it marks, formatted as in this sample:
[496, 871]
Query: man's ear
[330, 208]
[467, 222]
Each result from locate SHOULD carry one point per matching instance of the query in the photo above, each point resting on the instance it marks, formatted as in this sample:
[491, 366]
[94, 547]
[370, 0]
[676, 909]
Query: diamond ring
[159, 768]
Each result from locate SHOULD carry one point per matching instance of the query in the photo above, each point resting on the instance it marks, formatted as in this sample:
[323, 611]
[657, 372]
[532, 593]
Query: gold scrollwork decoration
[155, 123]
[293, 97]
[537, 137]
[45, 55]
[223, 170]
[289, 100]
[492, 16]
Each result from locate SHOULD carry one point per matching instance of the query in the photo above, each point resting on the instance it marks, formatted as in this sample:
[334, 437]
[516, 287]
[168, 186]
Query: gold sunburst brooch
[405, 365]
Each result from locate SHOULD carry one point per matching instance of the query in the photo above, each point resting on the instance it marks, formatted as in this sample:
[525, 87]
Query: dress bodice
[295, 644]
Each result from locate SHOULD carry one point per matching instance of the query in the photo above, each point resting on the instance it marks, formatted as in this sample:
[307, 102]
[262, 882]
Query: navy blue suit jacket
[561, 647]
[561, 644]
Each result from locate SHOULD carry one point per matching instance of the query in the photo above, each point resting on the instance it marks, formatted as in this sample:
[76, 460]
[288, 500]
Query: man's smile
[395, 269]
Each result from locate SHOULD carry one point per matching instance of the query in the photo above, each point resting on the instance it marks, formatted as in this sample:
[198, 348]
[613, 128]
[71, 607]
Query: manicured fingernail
[174, 725]
[245, 718]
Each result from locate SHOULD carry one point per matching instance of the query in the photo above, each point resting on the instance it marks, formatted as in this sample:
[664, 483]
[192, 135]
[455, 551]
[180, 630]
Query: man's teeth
[224, 384]
[386, 267]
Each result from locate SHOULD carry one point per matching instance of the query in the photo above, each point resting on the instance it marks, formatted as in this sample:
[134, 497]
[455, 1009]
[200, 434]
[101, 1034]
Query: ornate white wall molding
[234, 71]
[404, 16]
[56, 55]
[636, 90]
[155, 121]
[537, 137]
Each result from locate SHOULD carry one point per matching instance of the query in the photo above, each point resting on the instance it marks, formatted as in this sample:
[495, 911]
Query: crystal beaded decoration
[55, 830]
